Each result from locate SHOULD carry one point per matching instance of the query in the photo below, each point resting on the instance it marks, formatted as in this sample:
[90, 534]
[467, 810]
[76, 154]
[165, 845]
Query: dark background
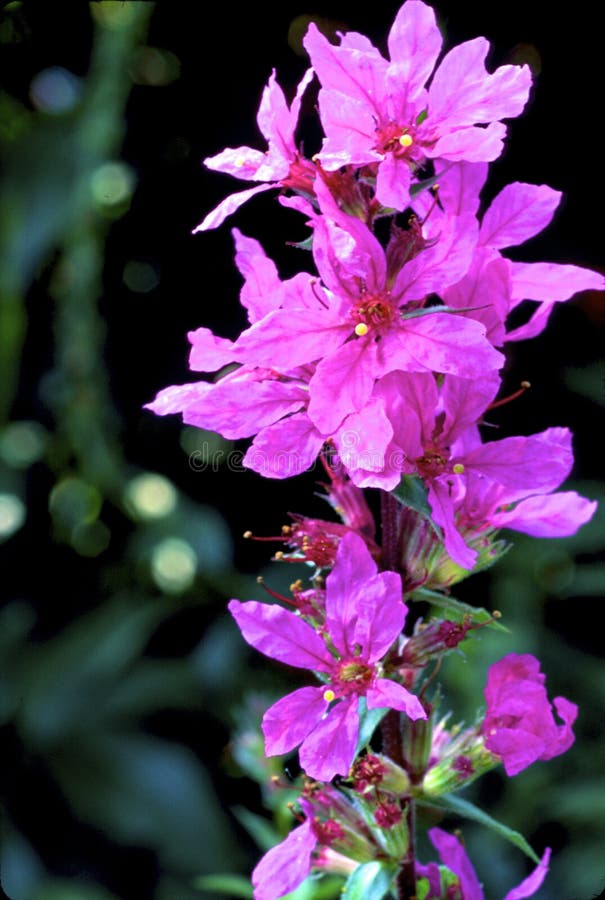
[124, 678]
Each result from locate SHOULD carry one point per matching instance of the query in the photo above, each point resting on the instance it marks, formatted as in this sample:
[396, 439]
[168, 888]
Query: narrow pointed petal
[533, 882]
[241, 162]
[551, 281]
[281, 635]
[329, 749]
[556, 515]
[388, 694]
[262, 290]
[288, 722]
[178, 397]
[454, 856]
[230, 205]
[443, 512]
[353, 567]
[519, 212]
[285, 866]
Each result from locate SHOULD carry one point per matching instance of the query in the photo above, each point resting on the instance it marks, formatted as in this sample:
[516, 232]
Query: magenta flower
[376, 111]
[368, 320]
[494, 285]
[454, 856]
[364, 617]
[519, 726]
[281, 165]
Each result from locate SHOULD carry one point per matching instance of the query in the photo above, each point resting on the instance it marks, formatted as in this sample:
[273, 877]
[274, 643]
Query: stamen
[361, 329]
[272, 593]
[406, 140]
[524, 386]
[329, 695]
[458, 468]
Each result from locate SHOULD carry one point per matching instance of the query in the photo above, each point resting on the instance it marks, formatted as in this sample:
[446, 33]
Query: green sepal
[457, 609]
[370, 881]
[451, 803]
[412, 492]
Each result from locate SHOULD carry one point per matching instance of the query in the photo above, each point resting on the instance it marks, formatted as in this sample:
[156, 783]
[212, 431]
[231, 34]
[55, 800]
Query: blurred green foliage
[117, 737]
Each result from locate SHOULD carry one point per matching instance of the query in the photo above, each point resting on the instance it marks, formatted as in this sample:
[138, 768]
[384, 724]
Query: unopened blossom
[379, 112]
[519, 725]
[281, 165]
[364, 617]
[454, 856]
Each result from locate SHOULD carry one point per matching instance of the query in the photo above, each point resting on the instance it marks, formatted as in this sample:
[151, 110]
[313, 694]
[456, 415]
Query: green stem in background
[78, 391]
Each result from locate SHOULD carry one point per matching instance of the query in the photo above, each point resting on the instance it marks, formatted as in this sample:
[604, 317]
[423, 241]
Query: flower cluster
[383, 360]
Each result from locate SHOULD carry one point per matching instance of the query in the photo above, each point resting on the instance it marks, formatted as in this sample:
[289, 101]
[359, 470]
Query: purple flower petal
[342, 384]
[462, 92]
[178, 397]
[388, 694]
[237, 408]
[285, 866]
[533, 882]
[518, 213]
[329, 749]
[291, 719]
[454, 856]
[556, 515]
[414, 45]
[209, 352]
[286, 338]
[281, 635]
[284, 449]
[230, 205]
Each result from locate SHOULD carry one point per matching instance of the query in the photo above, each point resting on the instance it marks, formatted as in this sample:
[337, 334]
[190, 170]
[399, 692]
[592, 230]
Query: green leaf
[412, 493]
[369, 719]
[457, 609]
[370, 881]
[232, 885]
[467, 810]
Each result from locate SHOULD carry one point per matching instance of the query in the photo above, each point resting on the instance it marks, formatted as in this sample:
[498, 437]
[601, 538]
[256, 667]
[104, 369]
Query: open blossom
[367, 320]
[454, 856]
[519, 725]
[398, 122]
[364, 617]
[279, 166]
[494, 286]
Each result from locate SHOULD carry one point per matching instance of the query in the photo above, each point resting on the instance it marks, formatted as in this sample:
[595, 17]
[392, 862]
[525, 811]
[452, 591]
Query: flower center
[353, 677]
[396, 139]
[374, 312]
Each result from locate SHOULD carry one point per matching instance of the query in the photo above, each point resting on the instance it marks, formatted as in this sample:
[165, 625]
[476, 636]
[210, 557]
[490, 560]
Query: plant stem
[392, 741]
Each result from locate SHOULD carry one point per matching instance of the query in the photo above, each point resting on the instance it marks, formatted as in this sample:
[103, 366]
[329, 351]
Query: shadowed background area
[128, 701]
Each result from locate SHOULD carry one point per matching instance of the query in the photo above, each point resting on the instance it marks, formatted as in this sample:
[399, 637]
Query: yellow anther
[296, 586]
[361, 329]
[458, 468]
[329, 695]
[240, 162]
[247, 534]
[497, 614]
[406, 140]
[279, 555]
